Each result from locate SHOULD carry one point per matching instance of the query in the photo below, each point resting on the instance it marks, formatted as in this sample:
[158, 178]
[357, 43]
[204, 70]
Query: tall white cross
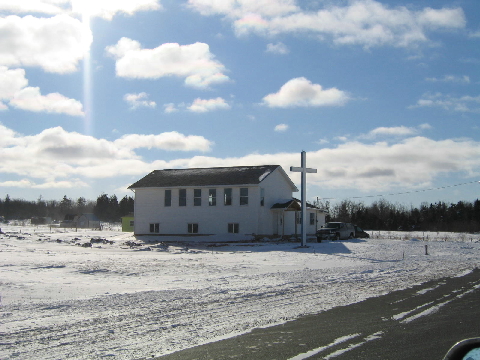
[304, 170]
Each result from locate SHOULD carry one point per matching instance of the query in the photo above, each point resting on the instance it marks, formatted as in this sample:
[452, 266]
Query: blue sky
[383, 96]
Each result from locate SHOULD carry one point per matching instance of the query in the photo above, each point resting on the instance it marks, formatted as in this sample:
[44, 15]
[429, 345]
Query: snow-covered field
[60, 300]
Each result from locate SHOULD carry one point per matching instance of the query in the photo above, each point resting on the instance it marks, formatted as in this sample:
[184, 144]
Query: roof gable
[217, 176]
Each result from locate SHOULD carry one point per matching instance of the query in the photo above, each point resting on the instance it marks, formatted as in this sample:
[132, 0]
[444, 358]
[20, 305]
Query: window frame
[197, 197]
[212, 197]
[154, 228]
[192, 228]
[233, 228]
[243, 197]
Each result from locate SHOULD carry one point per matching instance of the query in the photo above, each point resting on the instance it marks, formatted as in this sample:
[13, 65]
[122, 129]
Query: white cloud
[362, 22]
[425, 126]
[451, 78]
[25, 183]
[107, 9]
[30, 99]
[206, 105]
[281, 128]
[55, 44]
[355, 165]
[442, 18]
[394, 131]
[56, 157]
[193, 62]
[239, 8]
[14, 89]
[33, 6]
[170, 141]
[278, 48]
[11, 82]
[451, 103]
[302, 92]
[139, 100]
[170, 108]
[59, 157]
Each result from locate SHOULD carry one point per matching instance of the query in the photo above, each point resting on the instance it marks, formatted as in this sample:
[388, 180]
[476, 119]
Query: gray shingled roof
[237, 175]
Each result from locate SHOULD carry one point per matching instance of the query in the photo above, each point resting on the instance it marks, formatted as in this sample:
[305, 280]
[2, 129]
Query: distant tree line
[383, 215]
[106, 208]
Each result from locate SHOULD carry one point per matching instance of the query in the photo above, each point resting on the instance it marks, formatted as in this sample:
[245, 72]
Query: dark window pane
[228, 196]
[168, 197]
[182, 197]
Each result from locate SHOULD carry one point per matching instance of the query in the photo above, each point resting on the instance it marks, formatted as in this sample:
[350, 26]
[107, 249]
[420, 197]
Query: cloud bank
[56, 156]
[367, 23]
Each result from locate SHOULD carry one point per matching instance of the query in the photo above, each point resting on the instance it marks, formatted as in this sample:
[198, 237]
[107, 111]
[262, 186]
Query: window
[197, 197]
[192, 228]
[262, 196]
[233, 228]
[155, 228]
[168, 198]
[212, 197]
[182, 197]
[312, 218]
[243, 196]
[298, 216]
[131, 222]
[227, 196]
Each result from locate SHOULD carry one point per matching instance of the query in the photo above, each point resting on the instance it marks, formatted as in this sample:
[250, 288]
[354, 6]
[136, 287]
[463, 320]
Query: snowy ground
[60, 300]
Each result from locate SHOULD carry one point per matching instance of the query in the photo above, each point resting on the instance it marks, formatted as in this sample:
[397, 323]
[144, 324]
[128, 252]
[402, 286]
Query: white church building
[206, 201]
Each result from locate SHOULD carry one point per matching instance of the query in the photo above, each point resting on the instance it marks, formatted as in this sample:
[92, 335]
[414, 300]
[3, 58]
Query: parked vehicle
[336, 231]
[360, 233]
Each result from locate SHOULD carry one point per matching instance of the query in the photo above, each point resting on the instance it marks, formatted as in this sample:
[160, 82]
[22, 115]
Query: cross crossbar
[300, 169]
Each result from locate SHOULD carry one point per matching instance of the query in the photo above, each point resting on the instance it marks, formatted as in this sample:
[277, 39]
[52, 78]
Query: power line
[405, 192]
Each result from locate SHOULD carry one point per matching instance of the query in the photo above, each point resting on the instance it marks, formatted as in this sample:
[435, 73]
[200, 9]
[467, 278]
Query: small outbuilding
[128, 222]
[87, 221]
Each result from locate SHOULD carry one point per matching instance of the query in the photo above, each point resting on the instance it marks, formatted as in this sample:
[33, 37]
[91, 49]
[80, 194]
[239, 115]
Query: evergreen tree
[101, 207]
[126, 205]
[66, 206]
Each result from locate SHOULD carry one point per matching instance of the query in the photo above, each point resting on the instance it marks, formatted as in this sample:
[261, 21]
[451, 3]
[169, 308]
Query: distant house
[242, 199]
[128, 222]
[84, 221]
[87, 221]
[68, 221]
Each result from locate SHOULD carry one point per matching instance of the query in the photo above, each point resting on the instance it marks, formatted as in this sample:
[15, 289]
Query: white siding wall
[277, 190]
[149, 208]
[252, 218]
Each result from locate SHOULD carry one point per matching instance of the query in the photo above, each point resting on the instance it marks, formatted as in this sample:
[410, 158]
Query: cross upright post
[303, 170]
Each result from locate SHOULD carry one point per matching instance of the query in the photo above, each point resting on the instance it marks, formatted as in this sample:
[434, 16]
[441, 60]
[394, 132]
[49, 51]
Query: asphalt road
[422, 322]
